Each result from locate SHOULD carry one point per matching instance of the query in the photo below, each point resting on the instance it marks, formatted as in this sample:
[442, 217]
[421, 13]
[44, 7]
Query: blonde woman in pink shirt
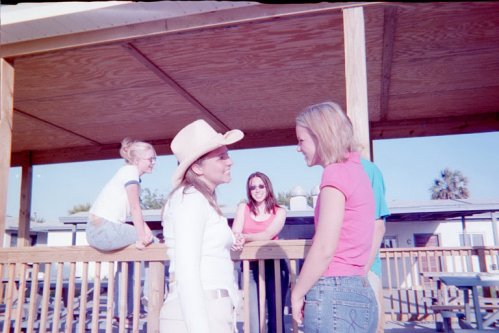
[332, 293]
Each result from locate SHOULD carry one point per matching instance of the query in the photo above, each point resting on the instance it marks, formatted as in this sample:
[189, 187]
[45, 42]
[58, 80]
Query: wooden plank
[262, 295]
[432, 30]
[356, 76]
[156, 275]
[246, 295]
[446, 73]
[215, 19]
[137, 54]
[485, 122]
[276, 137]
[24, 238]
[6, 112]
[389, 28]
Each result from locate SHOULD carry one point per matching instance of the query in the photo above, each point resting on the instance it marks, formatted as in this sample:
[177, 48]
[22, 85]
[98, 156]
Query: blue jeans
[343, 304]
[269, 294]
[109, 236]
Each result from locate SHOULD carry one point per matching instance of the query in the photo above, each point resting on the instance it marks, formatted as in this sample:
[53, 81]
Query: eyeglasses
[254, 187]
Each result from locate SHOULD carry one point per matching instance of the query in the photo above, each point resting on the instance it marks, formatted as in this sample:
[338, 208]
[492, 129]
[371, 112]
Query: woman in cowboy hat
[202, 289]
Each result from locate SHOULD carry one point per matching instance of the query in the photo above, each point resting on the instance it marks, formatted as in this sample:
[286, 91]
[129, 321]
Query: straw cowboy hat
[195, 140]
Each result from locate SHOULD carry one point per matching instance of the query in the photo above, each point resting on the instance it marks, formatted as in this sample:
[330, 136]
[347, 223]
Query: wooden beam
[6, 113]
[389, 27]
[40, 120]
[393, 129]
[271, 138]
[23, 237]
[137, 54]
[84, 153]
[356, 75]
[209, 20]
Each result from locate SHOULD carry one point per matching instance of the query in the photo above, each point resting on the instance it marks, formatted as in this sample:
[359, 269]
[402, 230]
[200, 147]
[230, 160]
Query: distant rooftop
[407, 211]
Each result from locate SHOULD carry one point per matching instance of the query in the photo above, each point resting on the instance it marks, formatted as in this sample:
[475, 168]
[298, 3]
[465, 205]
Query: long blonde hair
[332, 130]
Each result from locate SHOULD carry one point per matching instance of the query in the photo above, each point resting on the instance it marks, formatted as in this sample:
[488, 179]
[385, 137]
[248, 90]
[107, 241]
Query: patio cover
[83, 81]
[74, 85]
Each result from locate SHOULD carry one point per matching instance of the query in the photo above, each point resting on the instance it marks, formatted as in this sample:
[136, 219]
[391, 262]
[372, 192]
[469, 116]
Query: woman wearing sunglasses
[261, 218]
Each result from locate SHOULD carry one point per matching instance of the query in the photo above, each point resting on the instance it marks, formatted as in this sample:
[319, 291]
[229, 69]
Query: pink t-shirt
[356, 233]
[251, 226]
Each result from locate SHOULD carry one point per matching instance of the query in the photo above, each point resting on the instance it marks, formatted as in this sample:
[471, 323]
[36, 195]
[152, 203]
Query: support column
[6, 112]
[493, 221]
[356, 76]
[23, 238]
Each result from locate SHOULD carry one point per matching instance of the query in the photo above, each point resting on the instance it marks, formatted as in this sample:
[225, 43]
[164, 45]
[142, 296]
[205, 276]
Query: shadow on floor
[405, 327]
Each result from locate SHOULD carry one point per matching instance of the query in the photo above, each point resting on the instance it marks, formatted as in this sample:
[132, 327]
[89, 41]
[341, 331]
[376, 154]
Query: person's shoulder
[280, 210]
[368, 165]
[128, 169]
[242, 205]
[371, 169]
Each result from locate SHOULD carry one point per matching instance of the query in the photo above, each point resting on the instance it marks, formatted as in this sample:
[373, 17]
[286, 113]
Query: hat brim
[228, 138]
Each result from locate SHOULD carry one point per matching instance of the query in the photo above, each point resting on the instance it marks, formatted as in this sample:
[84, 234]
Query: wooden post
[356, 75]
[6, 112]
[156, 278]
[23, 238]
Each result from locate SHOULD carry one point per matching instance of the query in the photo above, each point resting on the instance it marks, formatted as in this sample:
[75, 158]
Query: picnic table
[468, 282]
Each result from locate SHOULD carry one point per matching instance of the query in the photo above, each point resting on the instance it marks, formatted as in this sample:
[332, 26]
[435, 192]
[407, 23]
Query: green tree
[283, 198]
[80, 208]
[151, 199]
[35, 218]
[450, 185]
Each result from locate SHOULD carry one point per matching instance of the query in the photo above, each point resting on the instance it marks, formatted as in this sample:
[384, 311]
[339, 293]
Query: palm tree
[450, 185]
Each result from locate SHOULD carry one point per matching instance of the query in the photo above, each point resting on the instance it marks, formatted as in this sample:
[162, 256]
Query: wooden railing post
[156, 279]
[482, 264]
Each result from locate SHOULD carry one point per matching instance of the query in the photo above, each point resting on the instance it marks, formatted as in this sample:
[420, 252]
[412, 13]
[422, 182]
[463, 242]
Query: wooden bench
[450, 311]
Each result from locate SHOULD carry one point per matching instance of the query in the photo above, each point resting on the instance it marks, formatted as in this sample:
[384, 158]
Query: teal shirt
[378, 185]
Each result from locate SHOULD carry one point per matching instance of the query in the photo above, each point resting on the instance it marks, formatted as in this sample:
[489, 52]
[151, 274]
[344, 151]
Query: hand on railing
[142, 243]
[239, 243]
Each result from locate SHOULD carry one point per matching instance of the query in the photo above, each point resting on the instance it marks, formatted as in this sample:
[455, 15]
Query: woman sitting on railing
[107, 229]
[261, 219]
[338, 294]
[203, 293]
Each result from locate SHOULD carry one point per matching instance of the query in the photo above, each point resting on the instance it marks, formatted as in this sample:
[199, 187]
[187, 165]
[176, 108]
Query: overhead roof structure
[85, 80]
[74, 81]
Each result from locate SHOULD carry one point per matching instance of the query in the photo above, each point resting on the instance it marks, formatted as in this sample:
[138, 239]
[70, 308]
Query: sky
[409, 167]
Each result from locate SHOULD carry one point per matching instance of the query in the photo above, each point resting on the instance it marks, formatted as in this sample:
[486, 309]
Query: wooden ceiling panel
[444, 103]
[432, 30]
[277, 98]
[249, 49]
[432, 68]
[85, 70]
[446, 73]
[148, 112]
[30, 134]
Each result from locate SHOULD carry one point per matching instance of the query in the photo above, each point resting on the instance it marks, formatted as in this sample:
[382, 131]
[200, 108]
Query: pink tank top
[251, 226]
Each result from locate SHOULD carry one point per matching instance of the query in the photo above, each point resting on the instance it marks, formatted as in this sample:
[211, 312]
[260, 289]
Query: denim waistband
[355, 280]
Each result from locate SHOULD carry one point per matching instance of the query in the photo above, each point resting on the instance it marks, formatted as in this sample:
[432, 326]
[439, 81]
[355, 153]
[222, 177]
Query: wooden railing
[54, 289]
[409, 294]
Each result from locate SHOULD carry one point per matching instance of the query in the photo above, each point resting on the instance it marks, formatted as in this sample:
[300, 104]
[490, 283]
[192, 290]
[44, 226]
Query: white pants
[375, 282]
[220, 313]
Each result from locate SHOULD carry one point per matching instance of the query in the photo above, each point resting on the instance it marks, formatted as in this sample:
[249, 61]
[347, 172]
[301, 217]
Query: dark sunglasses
[253, 187]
